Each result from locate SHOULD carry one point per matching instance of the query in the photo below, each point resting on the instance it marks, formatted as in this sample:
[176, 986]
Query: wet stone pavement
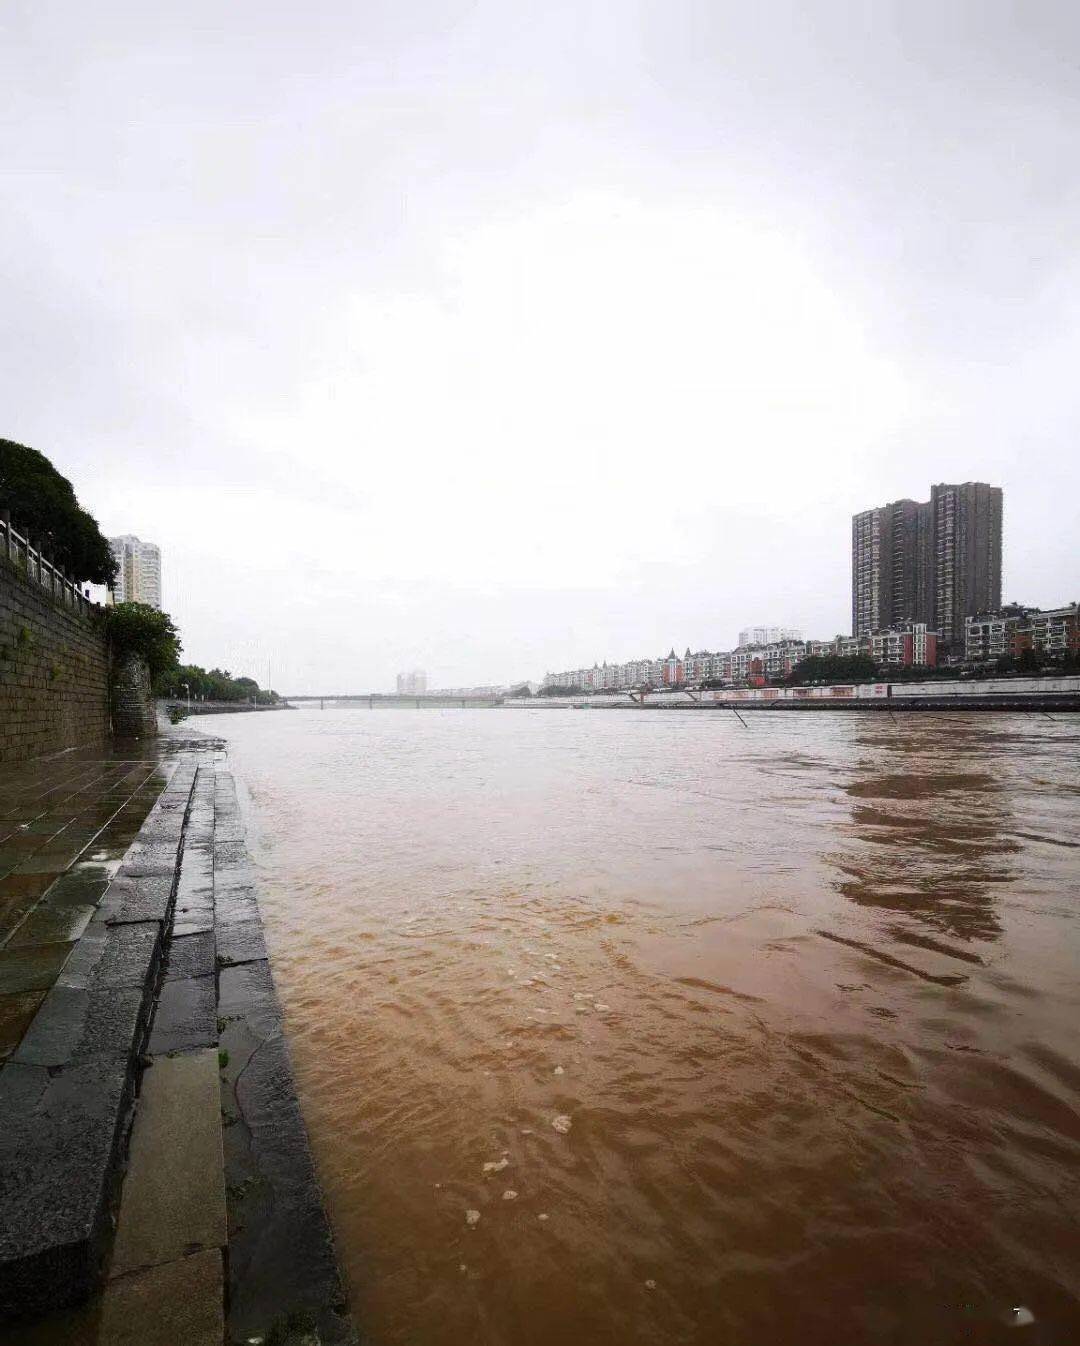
[156, 1184]
[65, 827]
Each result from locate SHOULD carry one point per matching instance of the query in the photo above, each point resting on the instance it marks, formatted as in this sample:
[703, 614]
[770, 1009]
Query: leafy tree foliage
[216, 685]
[138, 628]
[42, 504]
[835, 668]
[561, 691]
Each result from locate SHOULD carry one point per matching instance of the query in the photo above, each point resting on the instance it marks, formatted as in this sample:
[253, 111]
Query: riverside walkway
[156, 1184]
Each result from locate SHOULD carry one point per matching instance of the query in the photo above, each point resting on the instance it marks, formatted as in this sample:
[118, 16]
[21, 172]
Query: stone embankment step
[282, 1266]
[221, 1232]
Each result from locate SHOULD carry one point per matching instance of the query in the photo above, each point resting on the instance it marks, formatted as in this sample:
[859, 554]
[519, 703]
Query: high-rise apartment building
[891, 566]
[967, 555]
[935, 562]
[768, 635]
[138, 574]
[413, 683]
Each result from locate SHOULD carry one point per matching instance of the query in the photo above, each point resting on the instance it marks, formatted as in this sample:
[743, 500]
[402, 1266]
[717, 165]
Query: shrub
[138, 628]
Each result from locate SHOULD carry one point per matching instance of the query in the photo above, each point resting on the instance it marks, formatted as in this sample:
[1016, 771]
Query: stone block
[174, 1193]
[246, 987]
[52, 924]
[185, 1017]
[58, 1166]
[33, 968]
[150, 859]
[235, 905]
[179, 1302]
[136, 899]
[114, 955]
[16, 1014]
[75, 1024]
[193, 921]
[242, 942]
[190, 955]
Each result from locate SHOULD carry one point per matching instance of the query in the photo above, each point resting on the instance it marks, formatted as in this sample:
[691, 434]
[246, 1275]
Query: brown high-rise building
[935, 561]
[891, 566]
[967, 555]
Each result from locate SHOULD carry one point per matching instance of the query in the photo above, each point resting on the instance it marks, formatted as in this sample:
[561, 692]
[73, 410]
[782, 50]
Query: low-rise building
[904, 646]
[908, 644]
[1054, 633]
[1057, 632]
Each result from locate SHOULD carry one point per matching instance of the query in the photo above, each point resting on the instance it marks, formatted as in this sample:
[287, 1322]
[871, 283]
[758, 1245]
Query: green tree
[138, 628]
[834, 668]
[42, 504]
[216, 685]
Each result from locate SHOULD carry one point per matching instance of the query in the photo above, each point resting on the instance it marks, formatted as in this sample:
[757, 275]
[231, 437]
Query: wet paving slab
[65, 827]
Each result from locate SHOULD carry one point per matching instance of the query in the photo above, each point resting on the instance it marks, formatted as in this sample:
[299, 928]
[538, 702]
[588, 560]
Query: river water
[723, 1033]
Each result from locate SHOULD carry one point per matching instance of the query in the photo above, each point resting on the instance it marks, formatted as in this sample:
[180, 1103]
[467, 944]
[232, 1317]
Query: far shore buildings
[768, 635]
[138, 576]
[905, 646]
[1054, 633]
[413, 683]
[925, 587]
[935, 562]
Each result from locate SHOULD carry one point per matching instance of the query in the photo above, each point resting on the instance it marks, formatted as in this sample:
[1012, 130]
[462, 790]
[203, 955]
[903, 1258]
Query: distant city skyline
[413, 683]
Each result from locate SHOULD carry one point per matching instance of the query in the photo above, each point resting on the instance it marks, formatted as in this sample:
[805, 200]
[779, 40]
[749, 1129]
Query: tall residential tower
[138, 575]
[936, 561]
[967, 555]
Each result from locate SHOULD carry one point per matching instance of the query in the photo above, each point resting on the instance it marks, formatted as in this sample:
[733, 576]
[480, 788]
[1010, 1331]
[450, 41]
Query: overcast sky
[501, 337]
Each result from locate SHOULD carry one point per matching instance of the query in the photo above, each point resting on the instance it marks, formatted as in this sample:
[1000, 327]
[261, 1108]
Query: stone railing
[32, 562]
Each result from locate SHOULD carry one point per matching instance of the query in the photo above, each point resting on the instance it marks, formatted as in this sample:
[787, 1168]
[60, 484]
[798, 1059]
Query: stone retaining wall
[54, 673]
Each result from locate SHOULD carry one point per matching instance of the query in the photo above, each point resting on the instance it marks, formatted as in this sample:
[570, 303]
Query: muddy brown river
[618, 1027]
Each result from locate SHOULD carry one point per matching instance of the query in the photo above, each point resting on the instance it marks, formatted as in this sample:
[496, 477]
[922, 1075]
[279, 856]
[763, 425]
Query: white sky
[502, 337]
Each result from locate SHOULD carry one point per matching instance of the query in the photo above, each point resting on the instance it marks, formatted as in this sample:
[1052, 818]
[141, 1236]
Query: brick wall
[54, 673]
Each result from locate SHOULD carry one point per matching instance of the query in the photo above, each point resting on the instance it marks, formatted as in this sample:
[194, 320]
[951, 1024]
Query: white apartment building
[1058, 631]
[992, 634]
[138, 577]
[768, 635]
[413, 683]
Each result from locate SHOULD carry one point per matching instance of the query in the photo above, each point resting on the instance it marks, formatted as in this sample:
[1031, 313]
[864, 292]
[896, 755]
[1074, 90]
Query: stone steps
[221, 1232]
[66, 1094]
[166, 1279]
[282, 1268]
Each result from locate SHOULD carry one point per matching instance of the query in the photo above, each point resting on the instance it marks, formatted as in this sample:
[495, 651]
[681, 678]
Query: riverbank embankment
[178, 710]
[961, 694]
[156, 1183]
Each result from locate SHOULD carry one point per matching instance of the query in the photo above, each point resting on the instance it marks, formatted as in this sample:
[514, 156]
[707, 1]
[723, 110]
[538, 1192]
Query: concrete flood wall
[54, 672]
